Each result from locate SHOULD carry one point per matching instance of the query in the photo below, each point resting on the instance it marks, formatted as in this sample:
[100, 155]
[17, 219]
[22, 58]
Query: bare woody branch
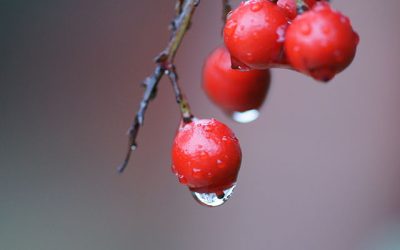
[185, 10]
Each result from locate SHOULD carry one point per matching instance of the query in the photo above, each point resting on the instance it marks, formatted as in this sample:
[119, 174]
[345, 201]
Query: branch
[185, 10]
[179, 6]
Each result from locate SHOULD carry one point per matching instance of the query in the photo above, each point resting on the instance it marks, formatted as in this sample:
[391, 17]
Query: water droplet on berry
[305, 29]
[246, 116]
[182, 180]
[344, 19]
[249, 56]
[214, 199]
[256, 7]
[173, 169]
[197, 173]
[281, 33]
[230, 28]
[326, 30]
[220, 164]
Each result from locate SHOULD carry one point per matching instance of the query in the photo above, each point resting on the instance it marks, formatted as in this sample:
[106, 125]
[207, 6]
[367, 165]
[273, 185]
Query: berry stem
[180, 97]
[164, 65]
[301, 6]
[227, 7]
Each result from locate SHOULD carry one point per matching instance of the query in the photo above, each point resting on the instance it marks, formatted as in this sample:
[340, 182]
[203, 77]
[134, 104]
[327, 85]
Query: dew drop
[197, 173]
[249, 56]
[281, 33]
[326, 30]
[305, 29]
[246, 116]
[230, 28]
[356, 38]
[133, 147]
[220, 164]
[173, 169]
[182, 180]
[256, 7]
[213, 199]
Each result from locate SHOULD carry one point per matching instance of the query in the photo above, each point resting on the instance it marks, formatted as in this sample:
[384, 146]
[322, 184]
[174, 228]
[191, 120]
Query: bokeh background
[321, 167]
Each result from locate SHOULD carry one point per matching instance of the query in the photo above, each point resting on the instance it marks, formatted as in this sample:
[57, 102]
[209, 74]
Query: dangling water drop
[214, 199]
[246, 116]
[256, 7]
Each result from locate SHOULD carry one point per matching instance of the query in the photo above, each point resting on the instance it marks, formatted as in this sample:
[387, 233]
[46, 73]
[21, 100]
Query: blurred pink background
[321, 167]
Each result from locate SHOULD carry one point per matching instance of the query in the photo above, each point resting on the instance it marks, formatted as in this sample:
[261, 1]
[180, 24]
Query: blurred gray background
[321, 166]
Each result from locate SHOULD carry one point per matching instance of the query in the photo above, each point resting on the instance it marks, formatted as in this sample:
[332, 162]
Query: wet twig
[185, 10]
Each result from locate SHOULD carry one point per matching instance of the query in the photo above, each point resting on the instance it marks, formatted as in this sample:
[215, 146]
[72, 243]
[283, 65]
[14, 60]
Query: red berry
[321, 42]
[206, 156]
[233, 90]
[254, 34]
[290, 6]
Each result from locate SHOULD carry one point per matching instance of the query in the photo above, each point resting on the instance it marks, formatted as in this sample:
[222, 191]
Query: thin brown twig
[227, 7]
[185, 10]
[187, 115]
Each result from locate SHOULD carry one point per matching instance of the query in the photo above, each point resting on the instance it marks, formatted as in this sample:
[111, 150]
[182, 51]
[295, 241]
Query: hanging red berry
[321, 42]
[236, 92]
[254, 34]
[206, 157]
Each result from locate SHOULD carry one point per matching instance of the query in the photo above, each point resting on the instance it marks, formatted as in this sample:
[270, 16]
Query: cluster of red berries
[258, 35]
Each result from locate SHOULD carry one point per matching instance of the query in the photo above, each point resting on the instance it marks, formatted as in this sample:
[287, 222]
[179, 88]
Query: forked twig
[185, 10]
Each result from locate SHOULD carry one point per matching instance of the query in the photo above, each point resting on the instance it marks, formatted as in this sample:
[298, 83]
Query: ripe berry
[290, 7]
[206, 157]
[233, 90]
[321, 42]
[254, 34]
